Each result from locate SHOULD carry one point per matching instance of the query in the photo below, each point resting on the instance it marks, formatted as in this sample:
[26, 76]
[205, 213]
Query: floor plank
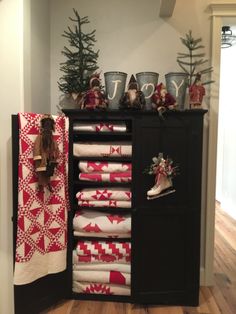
[219, 299]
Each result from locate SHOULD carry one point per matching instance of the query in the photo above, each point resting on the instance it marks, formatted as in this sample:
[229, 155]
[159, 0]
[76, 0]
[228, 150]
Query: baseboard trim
[204, 279]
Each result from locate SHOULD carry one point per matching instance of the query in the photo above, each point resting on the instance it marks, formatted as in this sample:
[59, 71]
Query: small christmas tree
[194, 59]
[81, 59]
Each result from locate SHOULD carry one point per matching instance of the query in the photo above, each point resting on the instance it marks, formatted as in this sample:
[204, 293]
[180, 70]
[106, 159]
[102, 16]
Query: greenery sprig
[163, 166]
[81, 58]
[193, 59]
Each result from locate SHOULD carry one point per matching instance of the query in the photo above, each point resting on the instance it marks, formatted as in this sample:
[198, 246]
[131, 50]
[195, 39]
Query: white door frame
[219, 11]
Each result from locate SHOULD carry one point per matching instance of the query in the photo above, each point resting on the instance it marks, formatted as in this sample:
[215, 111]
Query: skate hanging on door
[164, 171]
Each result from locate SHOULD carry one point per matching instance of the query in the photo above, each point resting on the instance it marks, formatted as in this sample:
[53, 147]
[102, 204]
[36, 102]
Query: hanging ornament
[164, 171]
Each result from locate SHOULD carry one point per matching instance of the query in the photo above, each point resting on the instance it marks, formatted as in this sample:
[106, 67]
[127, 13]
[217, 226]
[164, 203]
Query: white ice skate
[162, 187]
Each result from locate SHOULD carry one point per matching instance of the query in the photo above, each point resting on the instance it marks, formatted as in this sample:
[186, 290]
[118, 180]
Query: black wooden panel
[161, 255]
[166, 231]
[41, 294]
[170, 137]
[179, 138]
[165, 265]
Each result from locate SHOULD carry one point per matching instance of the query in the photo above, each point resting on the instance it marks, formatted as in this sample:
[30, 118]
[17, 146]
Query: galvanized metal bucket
[147, 82]
[176, 85]
[115, 87]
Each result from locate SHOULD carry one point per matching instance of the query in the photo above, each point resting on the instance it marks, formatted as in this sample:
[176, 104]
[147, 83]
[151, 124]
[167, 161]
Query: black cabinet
[165, 231]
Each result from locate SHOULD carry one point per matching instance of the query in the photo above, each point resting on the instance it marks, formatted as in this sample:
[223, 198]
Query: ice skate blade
[160, 195]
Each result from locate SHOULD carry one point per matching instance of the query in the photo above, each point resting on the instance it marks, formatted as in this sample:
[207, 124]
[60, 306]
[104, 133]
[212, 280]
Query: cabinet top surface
[93, 113]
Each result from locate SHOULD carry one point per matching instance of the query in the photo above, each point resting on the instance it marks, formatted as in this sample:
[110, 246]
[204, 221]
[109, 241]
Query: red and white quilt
[113, 235]
[42, 215]
[100, 288]
[105, 167]
[106, 177]
[103, 247]
[100, 258]
[102, 149]
[100, 126]
[106, 203]
[125, 268]
[88, 221]
[104, 193]
[101, 276]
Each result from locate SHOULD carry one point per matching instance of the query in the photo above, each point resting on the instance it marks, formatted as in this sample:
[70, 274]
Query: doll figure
[162, 100]
[94, 98]
[133, 98]
[196, 93]
[45, 152]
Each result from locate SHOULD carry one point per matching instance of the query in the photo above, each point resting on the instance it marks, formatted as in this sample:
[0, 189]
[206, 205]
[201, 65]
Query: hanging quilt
[41, 243]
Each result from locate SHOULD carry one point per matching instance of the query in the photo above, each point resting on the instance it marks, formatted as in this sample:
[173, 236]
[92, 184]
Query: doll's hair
[47, 128]
[197, 78]
[94, 80]
[47, 121]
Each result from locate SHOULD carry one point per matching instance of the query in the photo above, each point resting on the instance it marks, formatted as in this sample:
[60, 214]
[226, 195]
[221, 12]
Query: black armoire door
[34, 297]
[166, 231]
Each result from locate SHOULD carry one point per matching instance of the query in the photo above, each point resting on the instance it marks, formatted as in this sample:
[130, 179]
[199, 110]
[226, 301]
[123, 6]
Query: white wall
[132, 38]
[130, 34]
[11, 69]
[226, 155]
[19, 55]
[39, 80]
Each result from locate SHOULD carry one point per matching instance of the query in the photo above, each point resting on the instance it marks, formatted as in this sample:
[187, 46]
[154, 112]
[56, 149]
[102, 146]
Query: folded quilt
[98, 222]
[100, 288]
[101, 258]
[102, 235]
[106, 177]
[100, 126]
[113, 277]
[108, 203]
[103, 247]
[101, 166]
[104, 193]
[102, 149]
[125, 268]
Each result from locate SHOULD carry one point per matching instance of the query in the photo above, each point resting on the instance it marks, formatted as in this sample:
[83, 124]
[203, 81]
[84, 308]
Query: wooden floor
[220, 299]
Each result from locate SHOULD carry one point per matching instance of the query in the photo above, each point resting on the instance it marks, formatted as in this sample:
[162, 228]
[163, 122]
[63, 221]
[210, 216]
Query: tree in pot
[192, 63]
[80, 64]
